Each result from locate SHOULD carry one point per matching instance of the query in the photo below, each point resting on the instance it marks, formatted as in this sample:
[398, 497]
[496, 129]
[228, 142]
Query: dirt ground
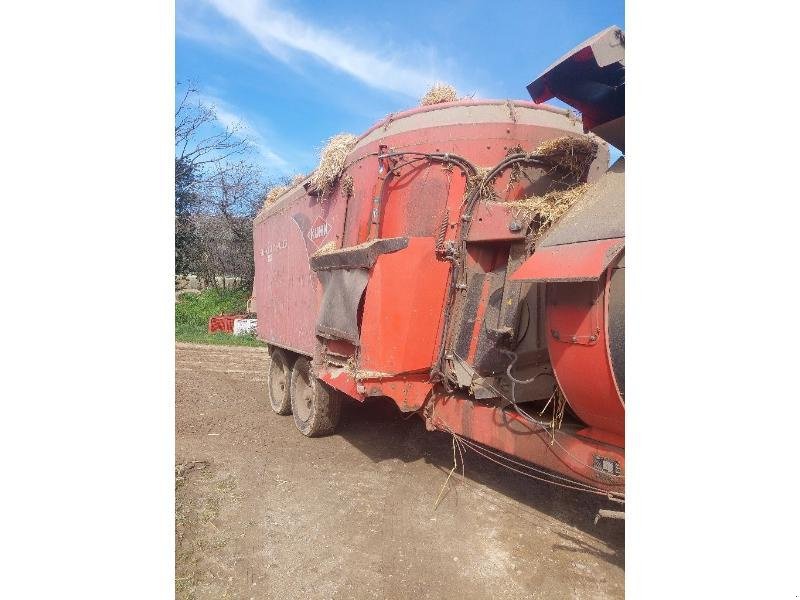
[264, 512]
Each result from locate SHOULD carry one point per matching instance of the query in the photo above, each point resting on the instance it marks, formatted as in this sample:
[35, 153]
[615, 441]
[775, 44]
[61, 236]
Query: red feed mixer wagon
[423, 276]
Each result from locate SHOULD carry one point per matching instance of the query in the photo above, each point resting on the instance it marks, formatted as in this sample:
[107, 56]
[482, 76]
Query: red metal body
[570, 452]
[577, 297]
[582, 261]
[413, 294]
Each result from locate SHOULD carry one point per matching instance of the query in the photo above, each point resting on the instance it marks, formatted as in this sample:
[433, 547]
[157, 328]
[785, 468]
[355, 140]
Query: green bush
[197, 309]
[193, 311]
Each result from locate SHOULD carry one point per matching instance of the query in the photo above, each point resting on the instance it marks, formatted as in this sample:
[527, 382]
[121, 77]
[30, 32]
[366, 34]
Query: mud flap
[338, 314]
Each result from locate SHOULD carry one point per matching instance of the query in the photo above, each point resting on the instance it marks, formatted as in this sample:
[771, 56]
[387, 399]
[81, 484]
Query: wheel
[315, 406]
[278, 376]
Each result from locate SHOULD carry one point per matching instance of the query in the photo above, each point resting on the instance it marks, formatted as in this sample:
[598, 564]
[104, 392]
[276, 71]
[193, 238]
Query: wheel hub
[306, 399]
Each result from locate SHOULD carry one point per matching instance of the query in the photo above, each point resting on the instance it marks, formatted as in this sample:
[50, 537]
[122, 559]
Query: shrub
[197, 309]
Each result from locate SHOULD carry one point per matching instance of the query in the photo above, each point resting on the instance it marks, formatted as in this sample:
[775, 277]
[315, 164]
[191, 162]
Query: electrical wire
[462, 162]
[469, 443]
[541, 424]
[572, 485]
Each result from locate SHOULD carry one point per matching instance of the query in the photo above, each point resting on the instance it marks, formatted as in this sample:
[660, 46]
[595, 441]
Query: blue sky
[294, 73]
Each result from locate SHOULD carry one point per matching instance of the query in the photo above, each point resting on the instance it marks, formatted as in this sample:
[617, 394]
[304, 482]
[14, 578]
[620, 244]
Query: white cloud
[244, 130]
[276, 30]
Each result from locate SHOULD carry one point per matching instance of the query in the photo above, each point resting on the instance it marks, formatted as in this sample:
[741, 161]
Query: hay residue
[277, 191]
[478, 178]
[516, 168]
[439, 92]
[298, 179]
[326, 248]
[569, 154]
[545, 210]
[332, 162]
[347, 186]
[274, 193]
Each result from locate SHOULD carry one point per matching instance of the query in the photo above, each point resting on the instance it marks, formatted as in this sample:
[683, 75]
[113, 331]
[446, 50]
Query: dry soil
[264, 512]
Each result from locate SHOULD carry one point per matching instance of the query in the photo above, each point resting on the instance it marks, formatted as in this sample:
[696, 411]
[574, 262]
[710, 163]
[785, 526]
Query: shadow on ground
[381, 432]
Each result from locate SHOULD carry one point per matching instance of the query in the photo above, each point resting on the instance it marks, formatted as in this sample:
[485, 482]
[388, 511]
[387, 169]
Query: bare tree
[202, 145]
[232, 197]
[217, 193]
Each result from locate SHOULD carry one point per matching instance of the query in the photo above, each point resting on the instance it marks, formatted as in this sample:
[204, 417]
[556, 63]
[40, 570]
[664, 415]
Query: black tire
[278, 381]
[316, 407]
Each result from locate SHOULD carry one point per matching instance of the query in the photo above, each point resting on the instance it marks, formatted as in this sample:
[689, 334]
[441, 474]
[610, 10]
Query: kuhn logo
[313, 232]
[319, 230]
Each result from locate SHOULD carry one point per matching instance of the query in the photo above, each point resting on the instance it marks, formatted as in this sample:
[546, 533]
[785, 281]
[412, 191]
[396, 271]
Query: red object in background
[223, 323]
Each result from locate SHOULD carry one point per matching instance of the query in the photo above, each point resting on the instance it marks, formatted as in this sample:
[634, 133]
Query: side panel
[403, 308]
[287, 292]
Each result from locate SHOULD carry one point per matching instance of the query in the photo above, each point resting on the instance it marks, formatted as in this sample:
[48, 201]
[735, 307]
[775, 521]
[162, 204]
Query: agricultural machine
[467, 274]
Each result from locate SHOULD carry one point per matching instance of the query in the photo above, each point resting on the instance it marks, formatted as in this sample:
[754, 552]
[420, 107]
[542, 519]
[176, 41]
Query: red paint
[287, 292]
[402, 310]
[491, 222]
[603, 436]
[583, 261]
[576, 340]
[223, 323]
[510, 433]
[342, 380]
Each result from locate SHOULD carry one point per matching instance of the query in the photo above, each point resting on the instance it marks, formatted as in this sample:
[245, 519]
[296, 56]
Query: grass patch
[192, 313]
[199, 308]
[199, 335]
